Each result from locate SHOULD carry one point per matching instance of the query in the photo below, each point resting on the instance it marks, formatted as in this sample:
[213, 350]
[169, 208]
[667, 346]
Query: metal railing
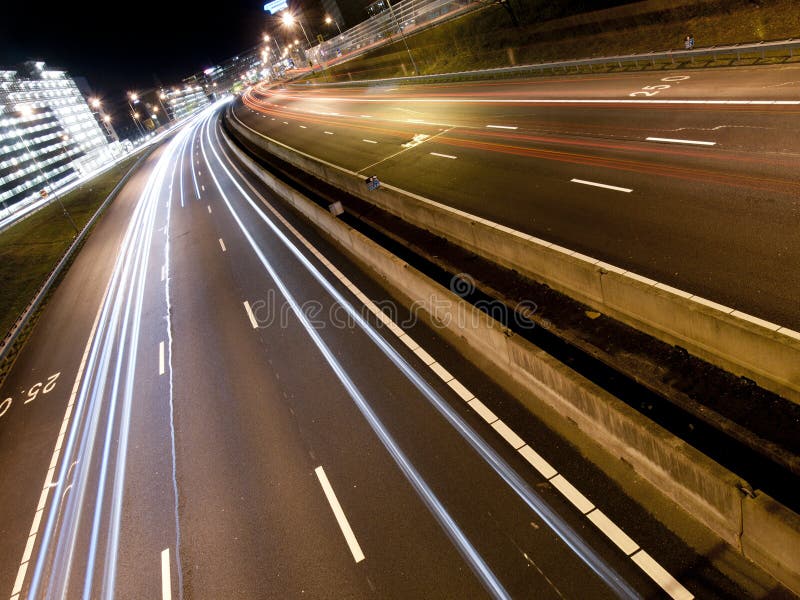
[782, 48]
[406, 17]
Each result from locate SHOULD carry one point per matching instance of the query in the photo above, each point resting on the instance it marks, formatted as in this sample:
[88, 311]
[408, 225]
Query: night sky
[126, 45]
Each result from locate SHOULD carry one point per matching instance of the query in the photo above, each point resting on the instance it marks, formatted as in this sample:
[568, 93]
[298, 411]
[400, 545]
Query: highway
[688, 177]
[213, 405]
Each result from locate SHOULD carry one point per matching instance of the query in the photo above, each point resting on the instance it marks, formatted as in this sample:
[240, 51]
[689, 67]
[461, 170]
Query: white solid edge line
[480, 408]
[450, 156]
[677, 141]
[501, 127]
[571, 493]
[166, 578]
[443, 373]
[161, 358]
[369, 141]
[48, 480]
[539, 463]
[222, 245]
[341, 519]
[461, 390]
[250, 314]
[613, 532]
[658, 574]
[602, 185]
[478, 219]
[508, 434]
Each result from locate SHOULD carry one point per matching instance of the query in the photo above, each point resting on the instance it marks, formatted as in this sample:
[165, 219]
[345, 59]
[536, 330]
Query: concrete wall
[744, 345]
[771, 539]
[707, 491]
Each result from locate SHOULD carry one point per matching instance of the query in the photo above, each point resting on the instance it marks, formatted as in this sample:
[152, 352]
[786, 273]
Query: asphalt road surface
[688, 177]
[212, 406]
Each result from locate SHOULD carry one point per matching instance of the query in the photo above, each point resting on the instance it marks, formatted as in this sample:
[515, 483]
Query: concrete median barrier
[744, 345]
[771, 539]
[705, 490]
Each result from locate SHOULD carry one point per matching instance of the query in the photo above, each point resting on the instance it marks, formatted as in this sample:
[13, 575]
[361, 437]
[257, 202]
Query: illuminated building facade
[48, 133]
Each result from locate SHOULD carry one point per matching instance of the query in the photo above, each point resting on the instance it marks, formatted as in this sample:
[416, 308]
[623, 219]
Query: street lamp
[402, 36]
[139, 126]
[133, 98]
[161, 97]
[267, 39]
[96, 104]
[329, 20]
[289, 20]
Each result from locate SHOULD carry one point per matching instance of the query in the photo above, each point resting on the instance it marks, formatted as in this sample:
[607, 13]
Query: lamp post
[161, 97]
[139, 126]
[27, 111]
[96, 104]
[289, 20]
[267, 39]
[402, 36]
[133, 98]
[329, 20]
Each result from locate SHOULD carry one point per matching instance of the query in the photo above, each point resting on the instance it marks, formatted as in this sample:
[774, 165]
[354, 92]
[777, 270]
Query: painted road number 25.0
[652, 90]
[40, 387]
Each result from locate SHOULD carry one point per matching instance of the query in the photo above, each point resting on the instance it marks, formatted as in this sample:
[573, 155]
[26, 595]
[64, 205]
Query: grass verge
[486, 38]
[30, 249]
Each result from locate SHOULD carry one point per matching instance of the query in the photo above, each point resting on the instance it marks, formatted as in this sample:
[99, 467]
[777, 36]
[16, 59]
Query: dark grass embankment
[486, 38]
[31, 249]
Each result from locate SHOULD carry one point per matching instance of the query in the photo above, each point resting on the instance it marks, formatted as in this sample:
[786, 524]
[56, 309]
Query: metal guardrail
[403, 17]
[8, 342]
[787, 47]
